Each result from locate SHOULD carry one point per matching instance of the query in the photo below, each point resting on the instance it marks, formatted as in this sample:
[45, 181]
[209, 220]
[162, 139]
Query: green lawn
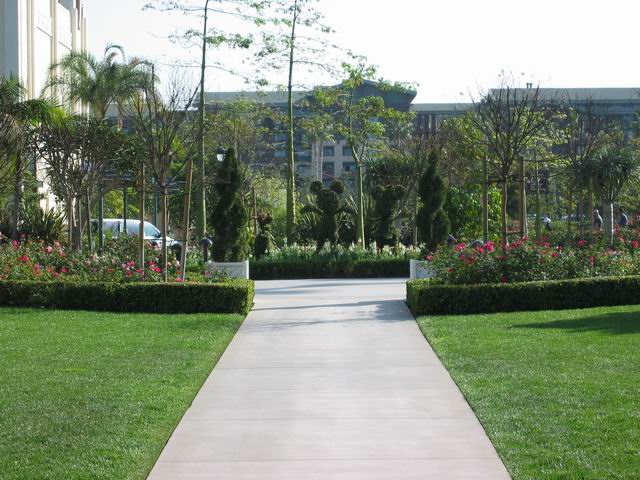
[86, 395]
[558, 392]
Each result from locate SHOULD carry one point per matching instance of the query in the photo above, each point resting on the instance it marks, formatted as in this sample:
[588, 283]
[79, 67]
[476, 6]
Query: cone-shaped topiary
[386, 202]
[327, 207]
[263, 243]
[433, 223]
[229, 217]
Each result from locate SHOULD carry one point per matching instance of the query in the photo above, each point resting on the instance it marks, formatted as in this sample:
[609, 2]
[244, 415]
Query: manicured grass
[558, 392]
[97, 395]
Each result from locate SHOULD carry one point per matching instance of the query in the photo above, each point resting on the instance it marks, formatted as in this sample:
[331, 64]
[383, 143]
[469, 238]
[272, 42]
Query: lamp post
[221, 152]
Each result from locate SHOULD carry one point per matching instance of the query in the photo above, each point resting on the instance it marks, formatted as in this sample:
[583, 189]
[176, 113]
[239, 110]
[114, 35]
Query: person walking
[597, 219]
[623, 220]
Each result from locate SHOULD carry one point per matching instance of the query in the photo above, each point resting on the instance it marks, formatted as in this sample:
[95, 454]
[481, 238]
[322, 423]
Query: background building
[33, 35]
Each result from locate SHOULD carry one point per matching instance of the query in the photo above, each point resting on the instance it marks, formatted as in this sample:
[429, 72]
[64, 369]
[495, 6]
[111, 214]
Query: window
[346, 151]
[348, 168]
[328, 172]
[328, 151]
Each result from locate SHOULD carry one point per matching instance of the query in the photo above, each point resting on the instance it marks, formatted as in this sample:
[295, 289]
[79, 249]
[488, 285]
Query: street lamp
[221, 152]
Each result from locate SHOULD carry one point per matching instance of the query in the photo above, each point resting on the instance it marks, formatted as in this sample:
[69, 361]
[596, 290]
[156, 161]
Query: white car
[151, 233]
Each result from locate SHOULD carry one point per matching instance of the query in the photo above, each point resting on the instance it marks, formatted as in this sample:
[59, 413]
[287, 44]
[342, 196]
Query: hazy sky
[447, 47]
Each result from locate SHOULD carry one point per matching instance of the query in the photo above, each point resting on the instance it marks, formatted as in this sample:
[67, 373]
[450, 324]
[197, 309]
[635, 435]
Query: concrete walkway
[325, 380]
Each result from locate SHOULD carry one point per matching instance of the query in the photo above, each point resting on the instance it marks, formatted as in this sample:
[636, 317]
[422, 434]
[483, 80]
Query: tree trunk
[185, 225]
[141, 206]
[201, 206]
[485, 200]
[580, 210]
[17, 198]
[359, 206]
[569, 210]
[291, 171]
[503, 214]
[89, 232]
[164, 214]
[607, 221]
[538, 212]
[591, 207]
[76, 236]
[524, 227]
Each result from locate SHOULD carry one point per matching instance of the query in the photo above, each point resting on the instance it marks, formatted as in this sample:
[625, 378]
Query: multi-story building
[33, 35]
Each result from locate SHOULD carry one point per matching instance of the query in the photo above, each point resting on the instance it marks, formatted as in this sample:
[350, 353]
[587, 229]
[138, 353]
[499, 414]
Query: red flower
[64, 270]
[428, 258]
[459, 247]
[592, 259]
[489, 246]
[503, 279]
[49, 249]
[23, 259]
[635, 244]
[179, 280]
[15, 244]
[554, 254]
[581, 243]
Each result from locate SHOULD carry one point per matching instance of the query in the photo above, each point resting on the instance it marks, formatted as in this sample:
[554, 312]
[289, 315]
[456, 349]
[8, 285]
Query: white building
[33, 35]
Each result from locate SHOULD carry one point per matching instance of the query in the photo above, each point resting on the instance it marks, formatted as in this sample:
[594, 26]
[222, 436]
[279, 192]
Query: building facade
[33, 35]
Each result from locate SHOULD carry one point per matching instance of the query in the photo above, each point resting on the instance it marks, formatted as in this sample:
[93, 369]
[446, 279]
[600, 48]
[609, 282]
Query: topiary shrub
[327, 208]
[386, 201]
[263, 243]
[433, 223]
[229, 217]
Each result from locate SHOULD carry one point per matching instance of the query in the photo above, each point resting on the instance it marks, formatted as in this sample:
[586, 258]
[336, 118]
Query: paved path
[327, 380]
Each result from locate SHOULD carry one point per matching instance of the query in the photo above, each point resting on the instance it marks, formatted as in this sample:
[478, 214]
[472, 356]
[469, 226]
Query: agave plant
[45, 225]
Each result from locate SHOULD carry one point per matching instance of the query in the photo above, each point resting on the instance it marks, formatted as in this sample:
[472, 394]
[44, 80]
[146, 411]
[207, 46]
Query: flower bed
[340, 262]
[41, 262]
[525, 261]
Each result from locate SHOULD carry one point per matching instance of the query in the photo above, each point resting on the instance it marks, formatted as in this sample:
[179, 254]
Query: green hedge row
[225, 297]
[266, 269]
[425, 298]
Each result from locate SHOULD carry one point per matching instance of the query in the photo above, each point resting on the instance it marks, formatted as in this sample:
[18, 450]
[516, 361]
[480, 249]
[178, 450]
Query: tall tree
[299, 38]
[433, 222]
[614, 168]
[82, 77]
[17, 117]
[510, 118]
[161, 119]
[207, 36]
[364, 121]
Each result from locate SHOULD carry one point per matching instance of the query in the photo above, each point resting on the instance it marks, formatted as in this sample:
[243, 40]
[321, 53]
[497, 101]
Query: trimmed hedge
[425, 298]
[226, 297]
[267, 269]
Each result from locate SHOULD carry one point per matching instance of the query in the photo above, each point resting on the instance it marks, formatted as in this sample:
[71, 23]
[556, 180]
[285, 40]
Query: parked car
[151, 233]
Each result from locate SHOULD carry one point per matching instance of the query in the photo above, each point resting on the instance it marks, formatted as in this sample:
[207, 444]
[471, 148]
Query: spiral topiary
[433, 223]
[229, 217]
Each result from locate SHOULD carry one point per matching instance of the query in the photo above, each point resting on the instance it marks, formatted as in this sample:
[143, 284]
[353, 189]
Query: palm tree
[98, 82]
[614, 168]
[17, 116]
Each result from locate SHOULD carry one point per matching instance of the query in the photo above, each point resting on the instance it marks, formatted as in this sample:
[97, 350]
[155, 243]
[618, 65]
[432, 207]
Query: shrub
[229, 216]
[232, 296]
[386, 200]
[426, 298]
[433, 223]
[263, 242]
[340, 262]
[327, 208]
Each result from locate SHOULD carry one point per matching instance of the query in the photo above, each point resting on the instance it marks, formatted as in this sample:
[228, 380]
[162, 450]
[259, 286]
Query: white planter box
[420, 269]
[231, 269]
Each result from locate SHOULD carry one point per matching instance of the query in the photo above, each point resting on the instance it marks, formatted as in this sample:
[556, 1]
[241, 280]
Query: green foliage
[427, 298]
[433, 223]
[38, 224]
[464, 209]
[338, 262]
[263, 243]
[327, 207]
[231, 296]
[386, 200]
[229, 217]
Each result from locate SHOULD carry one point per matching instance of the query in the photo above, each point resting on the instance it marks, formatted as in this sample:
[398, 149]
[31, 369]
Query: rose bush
[118, 263]
[524, 260]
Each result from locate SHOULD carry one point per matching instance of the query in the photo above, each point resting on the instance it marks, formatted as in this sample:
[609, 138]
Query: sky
[451, 49]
